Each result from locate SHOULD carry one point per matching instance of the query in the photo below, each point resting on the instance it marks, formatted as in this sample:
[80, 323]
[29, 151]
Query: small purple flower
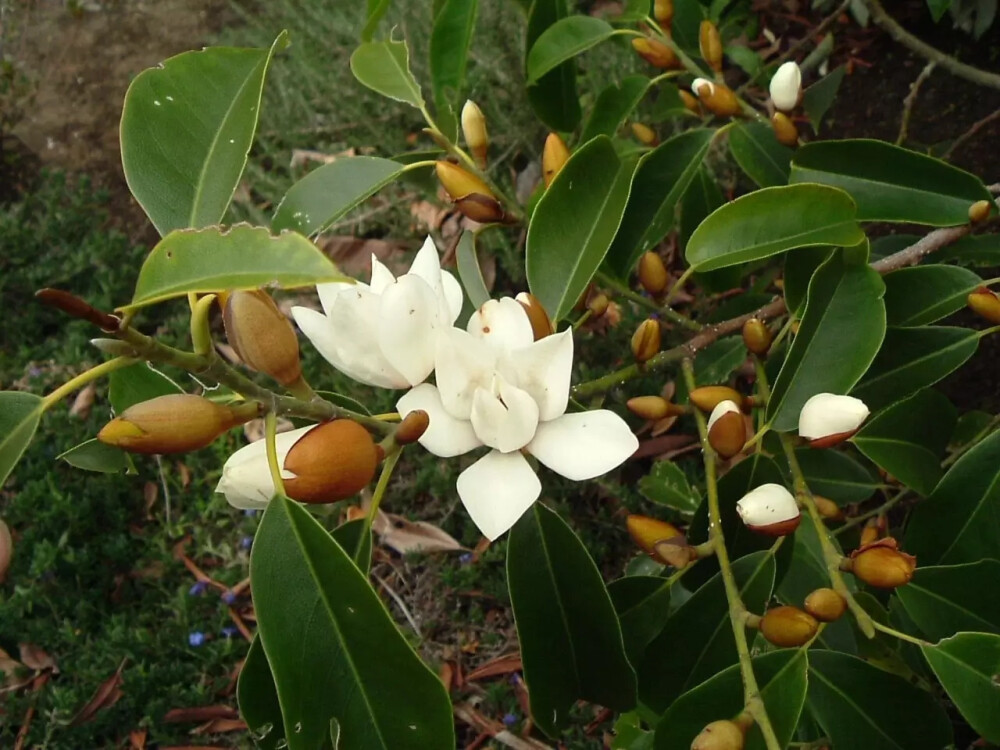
[198, 589]
[229, 596]
[229, 631]
[246, 542]
[509, 720]
[196, 639]
[514, 679]
[465, 558]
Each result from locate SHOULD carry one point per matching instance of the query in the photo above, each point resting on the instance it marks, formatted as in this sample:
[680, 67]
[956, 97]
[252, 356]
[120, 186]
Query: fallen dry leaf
[407, 536]
[137, 739]
[107, 694]
[428, 215]
[495, 667]
[467, 713]
[663, 444]
[200, 714]
[6, 549]
[185, 474]
[35, 658]
[220, 726]
[150, 491]
[353, 255]
[15, 674]
[84, 401]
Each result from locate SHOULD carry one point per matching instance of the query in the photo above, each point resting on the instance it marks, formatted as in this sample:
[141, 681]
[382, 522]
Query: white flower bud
[769, 509]
[721, 409]
[785, 86]
[697, 83]
[828, 419]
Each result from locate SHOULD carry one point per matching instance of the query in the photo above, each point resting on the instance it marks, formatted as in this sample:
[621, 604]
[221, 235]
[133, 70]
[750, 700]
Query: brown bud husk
[827, 508]
[710, 45]
[985, 304]
[707, 397]
[333, 461]
[554, 156]
[459, 183]
[869, 535]
[541, 323]
[728, 434]
[413, 427]
[788, 627]
[719, 99]
[644, 134]
[648, 407]
[757, 336]
[652, 273]
[720, 735]
[481, 208]
[175, 423]
[980, 211]
[826, 605]
[598, 305]
[261, 335]
[784, 130]
[659, 539]
[663, 12]
[691, 103]
[656, 53]
[474, 131]
[881, 564]
[6, 550]
[646, 340]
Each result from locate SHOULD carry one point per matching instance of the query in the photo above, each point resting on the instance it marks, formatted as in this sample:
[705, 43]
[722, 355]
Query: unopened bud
[827, 508]
[261, 335]
[985, 304]
[598, 305]
[459, 183]
[869, 534]
[980, 211]
[554, 157]
[648, 407]
[707, 397]
[757, 336]
[175, 423]
[646, 340]
[785, 87]
[541, 323]
[412, 428]
[784, 130]
[881, 564]
[331, 462]
[717, 98]
[690, 102]
[652, 273]
[769, 509]
[656, 53]
[644, 134]
[481, 208]
[727, 430]
[710, 44]
[788, 627]
[660, 540]
[474, 130]
[827, 419]
[663, 12]
[825, 604]
[720, 735]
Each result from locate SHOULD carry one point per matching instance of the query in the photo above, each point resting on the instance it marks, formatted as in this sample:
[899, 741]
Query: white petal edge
[246, 477]
[583, 445]
[407, 321]
[453, 295]
[445, 436]
[462, 363]
[504, 417]
[381, 276]
[329, 292]
[543, 369]
[502, 323]
[497, 490]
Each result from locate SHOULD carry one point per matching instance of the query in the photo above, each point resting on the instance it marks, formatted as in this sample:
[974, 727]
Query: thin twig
[975, 128]
[910, 100]
[399, 602]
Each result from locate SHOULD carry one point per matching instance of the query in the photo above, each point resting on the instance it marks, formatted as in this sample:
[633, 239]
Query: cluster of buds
[472, 197]
[881, 564]
[985, 304]
[769, 509]
[261, 335]
[724, 734]
[717, 98]
[555, 154]
[727, 429]
[661, 541]
[827, 419]
[825, 604]
[785, 90]
[646, 340]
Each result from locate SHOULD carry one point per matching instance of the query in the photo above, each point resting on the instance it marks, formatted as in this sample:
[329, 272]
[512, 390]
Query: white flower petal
[453, 296]
[504, 418]
[407, 320]
[767, 504]
[697, 83]
[828, 414]
[785, 85]
[329, 292]
[502, 323]
[462, 364]
[427, 265]
[584, 445]
[497, 490]
[445, 436]
[381, 276]
[721, 409]
[246, 477]
[543, 369]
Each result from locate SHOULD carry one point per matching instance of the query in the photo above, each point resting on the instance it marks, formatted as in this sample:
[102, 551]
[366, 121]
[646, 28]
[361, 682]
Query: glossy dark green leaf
[818, 98]
[20, 413]
[630, 734]
[571, 643]
[882, 247]
[667, 485]
[564, 40]
[837, 475]
[770, 221]
[93, 455]
[860, 706]
[666, 104]
[258, 700]
[330, 191]
[958, 522]
[799, 269]
[922, 295]
[938, 8]
[911, 359]
[384, 67]
[469, 270]
[183, 169]
[701, 198]
[314, 607]
[574, 224]
[348, 536]
[781, 676]
[908, 439]
[554, 96]
[977, 251]
[967, 665]
[242, 257]
[890, 183]
[613, 105]
[137, 383]
[451, 36]
[714, 364]
[643, 605]
[945, 599]
[759, 154]
[831, 351]
[661, 178]
[970, 426]
[668, 670]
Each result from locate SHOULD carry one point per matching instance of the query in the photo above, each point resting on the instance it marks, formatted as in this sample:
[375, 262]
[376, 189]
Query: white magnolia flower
[769, 509]
[383, 333]
[828, 416]
[246, 478]
[785, 86]
[498, 387]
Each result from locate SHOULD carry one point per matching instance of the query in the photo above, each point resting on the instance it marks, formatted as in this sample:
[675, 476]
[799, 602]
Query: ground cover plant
[824, 518]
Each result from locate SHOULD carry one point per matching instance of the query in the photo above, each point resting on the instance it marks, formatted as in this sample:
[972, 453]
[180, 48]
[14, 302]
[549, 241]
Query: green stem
[963, 449]
[901, 636]
[201, 333]
[883, 508]
[391, 458]
[667, 312]
[270, 432]
[785, 329]
[679, 284]
[75, 384]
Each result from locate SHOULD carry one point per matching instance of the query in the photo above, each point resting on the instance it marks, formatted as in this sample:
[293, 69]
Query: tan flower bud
[827, 508]
[980, 211]
[474, 130]
[720, 735]
[727, 430]
[6, 550]
[757, 336]
[663, 12]
[331, 462]
[769, 509]
[869, 534]
[652, 273]
[656, 53]
[710, 44]
[541, 323]
[985, 304]
[481, 209]
[649, 407]
[788, 627]
[690, 102]
[261, 335]
[459, 183]
[784, 129]
[707, 397]
[412, 428]
[826, 605]
[881, 564]
[660, 540]
[554, 157]
[644, 134]
[175, 423]
[598, 305]
[646, 340]
[717, 98]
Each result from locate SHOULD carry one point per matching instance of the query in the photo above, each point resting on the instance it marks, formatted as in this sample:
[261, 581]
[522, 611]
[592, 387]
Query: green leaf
[945, 599]
[860, 706]
[770, 221]
[574, 224]
[93, 455]
[571, 643]
[714, 364]
[451, 36]
[348, 536]
[748, 60]
[666, 485]
[643, 605]
[701, 198]
[890, 183]
[818, 98]
[137, 383]
[19, 416]
[564, 40]
[661, 178]
[921, 295]
[799, 269]
[376, 11]
[242, 257]
[914, 358]
[759, 154]
[314, 607]
[908, 439]
[667, 670]
[258, 699]
[958, 523]
[630, 734]
[831, 351]
[938, 8]
[469, 270]
[385, 67]
[186, 129]
[330, 191]
[781, 676]
[614, 104]
[967, 665]
[977, 251]
[554, 96]
[836, 475]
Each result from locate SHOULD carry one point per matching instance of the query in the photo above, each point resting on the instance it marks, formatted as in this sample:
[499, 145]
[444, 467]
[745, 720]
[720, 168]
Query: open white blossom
[826, 415]
[384, 333]
[246, 478]
[785, 86]
[498, 387]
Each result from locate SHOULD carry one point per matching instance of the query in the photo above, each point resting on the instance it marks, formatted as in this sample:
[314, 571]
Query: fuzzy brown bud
[554, 157]
[6, 550]
[541, 323]
[826, 605]
[784, 130]
[598, 305]
[717, 98]
[482, 209]
[690, 102]
[474, 130]
[459, 183]
[881, 564]
[727, 430]
[980, 211]
[261, 335]
[331, 462]
[869, 534]
[827, 508]
[707, 397]
[660, 540]
[757, 336]
[663, 12]
[644, 134]
[720, 735]
[646, 340]
[985, 304]
[412, 428]
[788, 627]
[649, 407]
[656, 53]
[710, 45]
[652, 273]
